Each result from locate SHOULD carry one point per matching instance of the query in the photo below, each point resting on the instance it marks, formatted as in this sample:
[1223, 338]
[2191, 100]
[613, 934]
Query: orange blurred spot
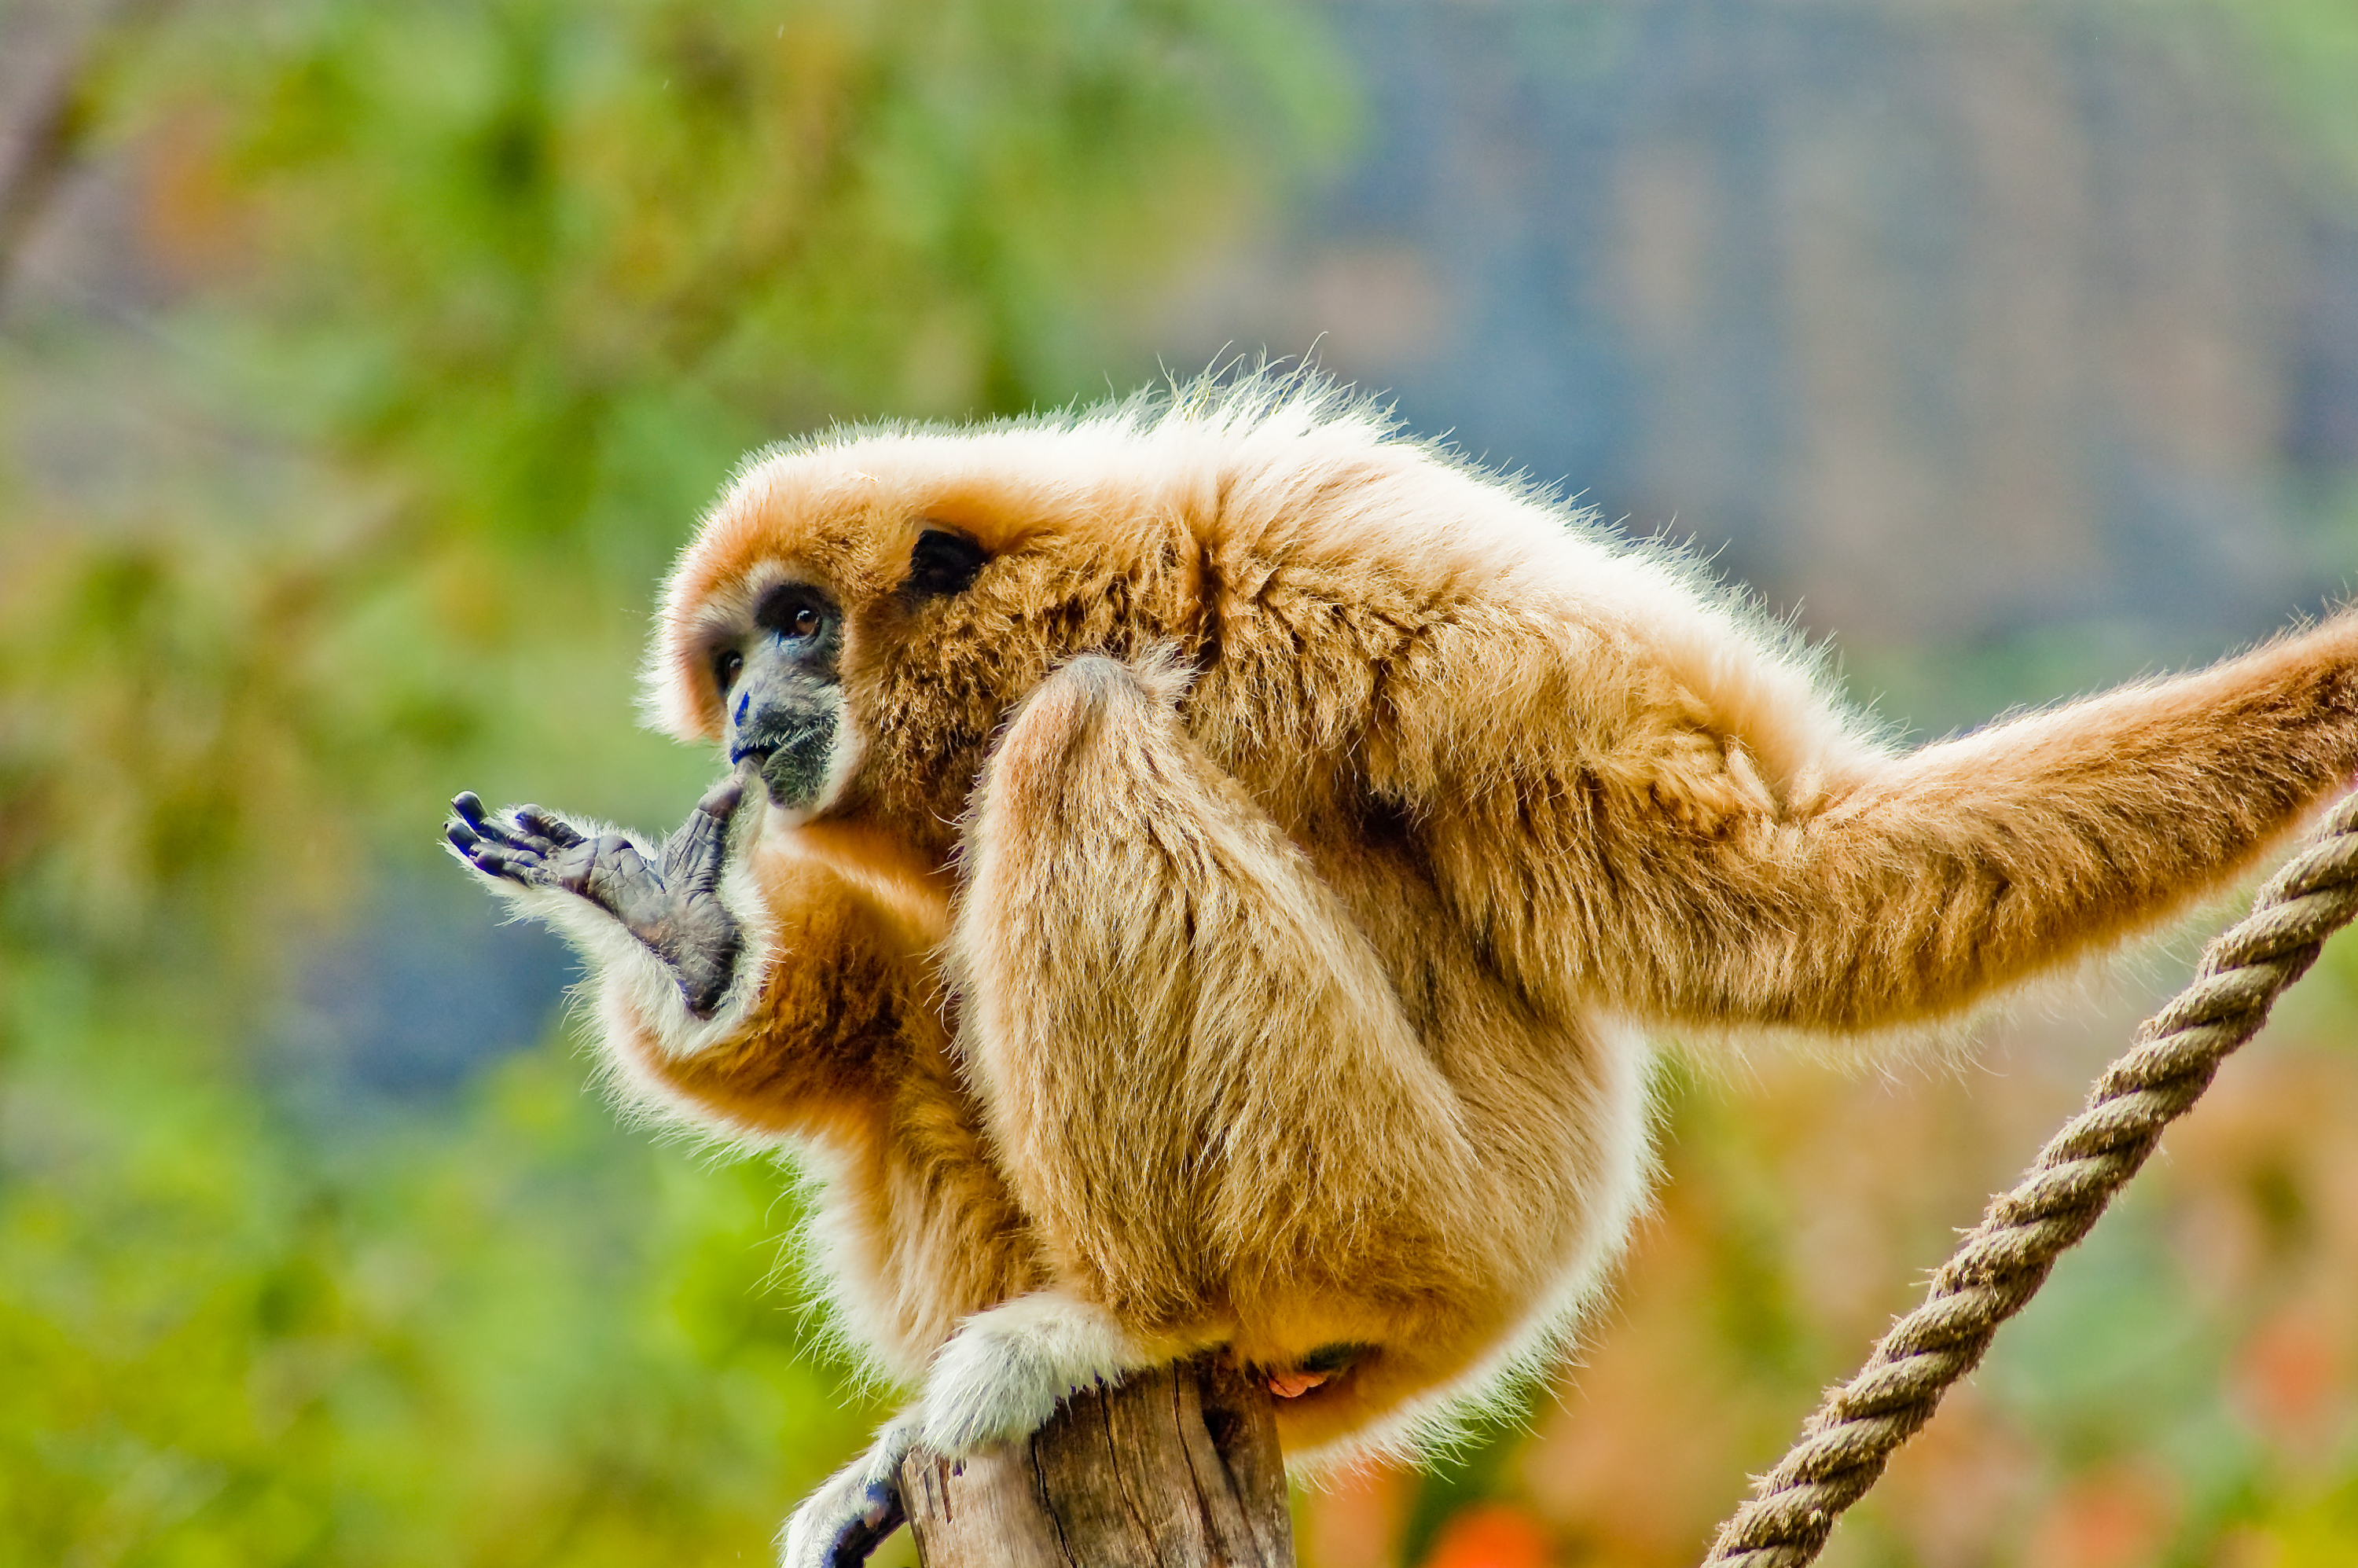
[2289, 1375]
[1491, 1536]
[1354, 1520]
[191, 215]
[2114, 1518]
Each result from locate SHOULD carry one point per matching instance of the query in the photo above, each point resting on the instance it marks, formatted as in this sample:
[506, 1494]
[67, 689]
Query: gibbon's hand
[675, 910]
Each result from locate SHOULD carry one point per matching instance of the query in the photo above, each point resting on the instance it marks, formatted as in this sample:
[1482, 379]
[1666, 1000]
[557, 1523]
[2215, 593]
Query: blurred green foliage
[2307, 50]
[509, 1335]
[341, 477]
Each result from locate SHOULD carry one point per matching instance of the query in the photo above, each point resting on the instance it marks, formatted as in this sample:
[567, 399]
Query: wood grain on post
[1176, 1468]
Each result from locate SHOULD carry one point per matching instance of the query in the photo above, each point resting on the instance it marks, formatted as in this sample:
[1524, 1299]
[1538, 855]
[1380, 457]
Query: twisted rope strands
[2001, 1263]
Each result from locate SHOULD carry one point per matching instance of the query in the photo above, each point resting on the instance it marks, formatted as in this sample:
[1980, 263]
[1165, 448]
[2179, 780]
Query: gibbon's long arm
[762, 1007]
[1915, 887]
[833, 1035]
[819, 1047]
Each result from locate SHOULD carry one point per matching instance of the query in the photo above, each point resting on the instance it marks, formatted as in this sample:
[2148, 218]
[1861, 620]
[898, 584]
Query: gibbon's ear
[943, 563]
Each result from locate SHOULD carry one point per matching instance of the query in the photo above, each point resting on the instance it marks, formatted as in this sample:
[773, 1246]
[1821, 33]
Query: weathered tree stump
[1174, 1468]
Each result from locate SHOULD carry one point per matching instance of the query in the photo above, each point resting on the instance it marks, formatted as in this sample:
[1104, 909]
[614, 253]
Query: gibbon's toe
[838, 1525]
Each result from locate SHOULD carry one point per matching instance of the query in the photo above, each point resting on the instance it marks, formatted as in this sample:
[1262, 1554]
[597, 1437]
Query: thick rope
[2002, 1262]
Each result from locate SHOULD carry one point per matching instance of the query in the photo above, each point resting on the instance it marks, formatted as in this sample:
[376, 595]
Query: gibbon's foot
[838, 1525]
[675, 910]
[1004, 1372]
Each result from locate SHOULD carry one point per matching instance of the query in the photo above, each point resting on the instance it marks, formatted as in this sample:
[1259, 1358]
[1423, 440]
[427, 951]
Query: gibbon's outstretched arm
[749, 988]
[1920, 884]
[828, 1029]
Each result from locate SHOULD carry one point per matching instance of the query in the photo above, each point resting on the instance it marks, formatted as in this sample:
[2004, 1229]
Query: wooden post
[1177, 1467]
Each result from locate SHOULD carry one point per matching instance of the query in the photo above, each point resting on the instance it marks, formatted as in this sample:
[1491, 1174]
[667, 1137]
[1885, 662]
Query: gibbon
[1201, 871]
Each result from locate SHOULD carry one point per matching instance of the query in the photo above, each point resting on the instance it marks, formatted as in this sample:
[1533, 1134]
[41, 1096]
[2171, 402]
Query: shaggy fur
[1235, 913]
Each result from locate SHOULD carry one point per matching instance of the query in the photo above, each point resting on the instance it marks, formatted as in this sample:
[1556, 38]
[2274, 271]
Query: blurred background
[361, 366]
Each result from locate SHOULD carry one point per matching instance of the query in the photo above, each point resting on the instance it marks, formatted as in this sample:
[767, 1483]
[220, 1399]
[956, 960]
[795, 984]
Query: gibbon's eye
[944, 563]
[795, 612]
[727, 665]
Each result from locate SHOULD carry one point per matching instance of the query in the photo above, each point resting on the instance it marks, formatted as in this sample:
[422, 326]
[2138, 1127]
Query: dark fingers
[539, 823]
[478, 823]
[493, 862]
[703, 843]
[528, 827]
[492, 857]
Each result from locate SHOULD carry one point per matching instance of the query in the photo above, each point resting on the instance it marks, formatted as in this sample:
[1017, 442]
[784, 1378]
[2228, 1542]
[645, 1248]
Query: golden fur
[1241, 905]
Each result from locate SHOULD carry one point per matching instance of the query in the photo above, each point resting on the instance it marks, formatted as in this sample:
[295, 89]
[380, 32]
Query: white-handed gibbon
[1200, 871]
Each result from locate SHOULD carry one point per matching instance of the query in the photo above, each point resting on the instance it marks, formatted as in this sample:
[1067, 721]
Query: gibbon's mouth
[793, 765]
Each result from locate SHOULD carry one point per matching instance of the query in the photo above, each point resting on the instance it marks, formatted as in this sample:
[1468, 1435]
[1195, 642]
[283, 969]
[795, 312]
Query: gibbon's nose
[769, 710]
[790, 737]
[747, 739]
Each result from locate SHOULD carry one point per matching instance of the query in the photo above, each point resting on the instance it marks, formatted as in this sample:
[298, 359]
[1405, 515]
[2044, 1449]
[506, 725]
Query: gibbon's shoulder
[1257, 474]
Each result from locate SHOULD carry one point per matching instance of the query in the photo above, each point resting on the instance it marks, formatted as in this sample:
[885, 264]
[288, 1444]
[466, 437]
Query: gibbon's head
[860, 613]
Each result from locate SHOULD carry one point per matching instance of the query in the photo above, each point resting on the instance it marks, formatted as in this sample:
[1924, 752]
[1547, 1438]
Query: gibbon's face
[858, 620]
[776, 662]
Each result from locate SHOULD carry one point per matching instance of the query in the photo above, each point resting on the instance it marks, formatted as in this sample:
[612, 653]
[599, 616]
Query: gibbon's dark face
[779, 678]
[780, 683]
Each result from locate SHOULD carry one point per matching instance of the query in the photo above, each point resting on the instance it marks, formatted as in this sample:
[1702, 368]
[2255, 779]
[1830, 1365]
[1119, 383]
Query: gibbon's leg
[1914, 885]
[1197, 1077]
[751, 989]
